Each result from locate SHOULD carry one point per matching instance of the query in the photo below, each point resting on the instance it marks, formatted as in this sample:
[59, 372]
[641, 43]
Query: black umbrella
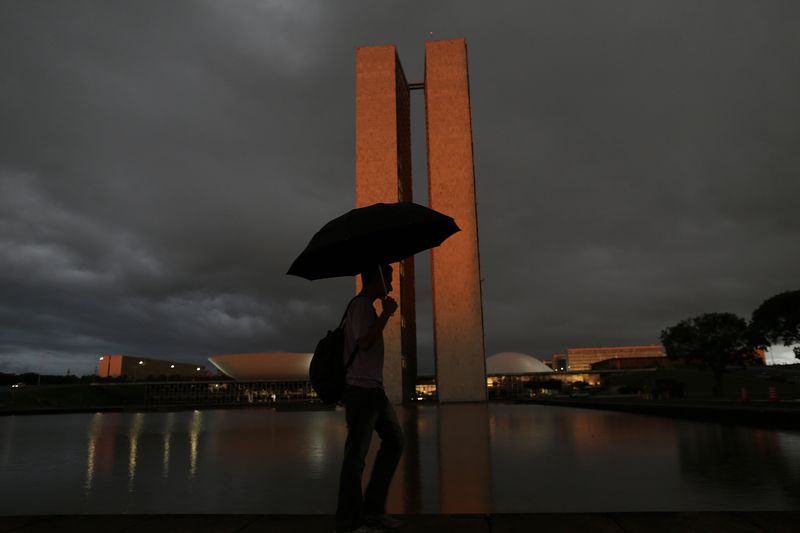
[369, 236]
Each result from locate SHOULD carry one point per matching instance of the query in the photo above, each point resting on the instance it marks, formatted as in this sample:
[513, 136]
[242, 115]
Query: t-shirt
[367, 367]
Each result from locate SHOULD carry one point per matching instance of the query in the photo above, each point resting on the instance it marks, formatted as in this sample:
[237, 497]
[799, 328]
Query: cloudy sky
[162, 163]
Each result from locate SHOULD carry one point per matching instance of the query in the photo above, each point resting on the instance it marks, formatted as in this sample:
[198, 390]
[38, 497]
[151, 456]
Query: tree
[777, 320]
[712, 340]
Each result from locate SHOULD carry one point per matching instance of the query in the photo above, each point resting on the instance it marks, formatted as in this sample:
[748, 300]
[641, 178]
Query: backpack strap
[341, 323]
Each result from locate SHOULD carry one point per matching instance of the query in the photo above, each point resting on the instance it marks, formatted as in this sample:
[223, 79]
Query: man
[367, 409]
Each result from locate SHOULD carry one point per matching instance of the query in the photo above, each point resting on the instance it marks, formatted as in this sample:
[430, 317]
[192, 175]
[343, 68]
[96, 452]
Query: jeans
[367, 410]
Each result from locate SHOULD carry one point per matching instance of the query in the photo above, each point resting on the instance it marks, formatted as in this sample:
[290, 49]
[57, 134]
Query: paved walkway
[706, 522]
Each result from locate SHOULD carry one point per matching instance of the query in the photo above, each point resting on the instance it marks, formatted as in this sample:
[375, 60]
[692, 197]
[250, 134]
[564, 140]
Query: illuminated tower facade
[383, 174]
[455, 265]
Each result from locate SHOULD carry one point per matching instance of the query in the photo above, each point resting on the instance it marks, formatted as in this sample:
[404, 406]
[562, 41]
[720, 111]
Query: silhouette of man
[367, 409]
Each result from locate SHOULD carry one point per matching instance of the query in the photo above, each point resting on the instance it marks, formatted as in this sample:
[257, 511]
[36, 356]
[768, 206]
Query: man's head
[371, 280]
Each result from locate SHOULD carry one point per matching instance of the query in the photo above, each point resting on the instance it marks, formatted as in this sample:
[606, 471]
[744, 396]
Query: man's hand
[389, 306]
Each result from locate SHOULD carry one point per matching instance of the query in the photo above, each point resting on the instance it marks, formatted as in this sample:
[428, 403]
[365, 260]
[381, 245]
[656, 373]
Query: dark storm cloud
[652, 150]
[161, 163]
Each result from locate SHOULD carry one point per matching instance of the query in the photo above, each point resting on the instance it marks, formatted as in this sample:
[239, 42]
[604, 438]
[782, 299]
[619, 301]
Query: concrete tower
[455, 265]
[383, 174]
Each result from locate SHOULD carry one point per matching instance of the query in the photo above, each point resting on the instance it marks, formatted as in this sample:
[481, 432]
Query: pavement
[655, 522]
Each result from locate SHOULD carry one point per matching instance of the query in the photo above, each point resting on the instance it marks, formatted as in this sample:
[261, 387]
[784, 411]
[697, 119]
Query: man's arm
[376, 330]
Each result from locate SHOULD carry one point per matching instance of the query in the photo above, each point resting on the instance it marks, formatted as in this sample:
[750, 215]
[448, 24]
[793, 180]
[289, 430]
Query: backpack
[328, 371]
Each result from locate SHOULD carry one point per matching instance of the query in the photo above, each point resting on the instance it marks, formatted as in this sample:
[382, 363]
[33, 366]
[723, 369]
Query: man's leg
[388, 428]
[361, 414]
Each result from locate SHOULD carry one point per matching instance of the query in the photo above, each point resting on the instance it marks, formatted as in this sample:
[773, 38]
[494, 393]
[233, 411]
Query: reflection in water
[133, 439]
[789, 443]
[194, 437]
[412, 466]
[405, 493]
[169, 422]
[743, 461]
[7, 424]
[317, 450]
[91, 446]
[458, 458]
[465, 474]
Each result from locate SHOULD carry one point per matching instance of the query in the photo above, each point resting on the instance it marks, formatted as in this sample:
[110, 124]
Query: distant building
[274, 366]
[126, 366]
[557, 363]
[633, 363]
[508, 363]
[582, 358]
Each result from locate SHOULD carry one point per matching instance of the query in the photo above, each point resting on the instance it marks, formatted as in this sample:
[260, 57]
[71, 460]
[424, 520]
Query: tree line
[719, 340]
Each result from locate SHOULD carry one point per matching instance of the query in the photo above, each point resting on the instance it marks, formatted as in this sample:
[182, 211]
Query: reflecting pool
[465, 458]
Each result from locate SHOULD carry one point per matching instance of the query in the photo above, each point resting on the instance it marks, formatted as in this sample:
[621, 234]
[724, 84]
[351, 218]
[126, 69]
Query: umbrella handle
[383, 281]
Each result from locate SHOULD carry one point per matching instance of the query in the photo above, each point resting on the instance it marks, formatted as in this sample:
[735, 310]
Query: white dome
[506, 363]
[264, 366]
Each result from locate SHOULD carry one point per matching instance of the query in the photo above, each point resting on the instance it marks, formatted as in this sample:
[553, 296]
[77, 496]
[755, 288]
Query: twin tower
[383, 174]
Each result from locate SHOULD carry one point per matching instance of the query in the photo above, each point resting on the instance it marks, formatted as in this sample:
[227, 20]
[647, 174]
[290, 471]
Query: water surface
[459, 458]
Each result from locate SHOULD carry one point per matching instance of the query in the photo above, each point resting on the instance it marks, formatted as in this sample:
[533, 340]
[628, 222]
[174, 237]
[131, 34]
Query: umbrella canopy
[369, 236]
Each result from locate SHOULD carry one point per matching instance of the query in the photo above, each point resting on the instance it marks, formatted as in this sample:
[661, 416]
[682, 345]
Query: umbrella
[369, 236]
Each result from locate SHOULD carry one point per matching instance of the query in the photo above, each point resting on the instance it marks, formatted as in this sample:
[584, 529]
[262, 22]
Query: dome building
[286, 373]
[294, 365]
[276, 366]
[514, 363]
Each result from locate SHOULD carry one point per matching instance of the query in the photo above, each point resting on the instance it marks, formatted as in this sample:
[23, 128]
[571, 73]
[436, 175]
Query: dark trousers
[367, 410]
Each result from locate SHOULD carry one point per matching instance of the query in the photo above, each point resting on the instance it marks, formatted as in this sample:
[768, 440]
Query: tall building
[383, 174]
[455, 265]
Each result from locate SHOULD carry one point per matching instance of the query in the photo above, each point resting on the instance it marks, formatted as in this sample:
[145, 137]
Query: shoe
[382, 521]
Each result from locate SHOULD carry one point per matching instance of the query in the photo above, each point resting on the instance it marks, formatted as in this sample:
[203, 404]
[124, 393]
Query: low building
[580, 359]
[557, 362]
[633, 363]
[139, 368]
[276, 366]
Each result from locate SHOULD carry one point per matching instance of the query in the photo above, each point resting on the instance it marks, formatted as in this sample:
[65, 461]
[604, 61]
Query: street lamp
[141, 363]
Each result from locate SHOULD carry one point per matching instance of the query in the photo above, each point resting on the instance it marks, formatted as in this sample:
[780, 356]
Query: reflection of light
[101, 357]
[194, 436]
[172, 366]
[198, 369]
[8, 431]
[167, 439]
[90, 452]
[789, 448]
[133, 436]
[317, 450]
[141, 362]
